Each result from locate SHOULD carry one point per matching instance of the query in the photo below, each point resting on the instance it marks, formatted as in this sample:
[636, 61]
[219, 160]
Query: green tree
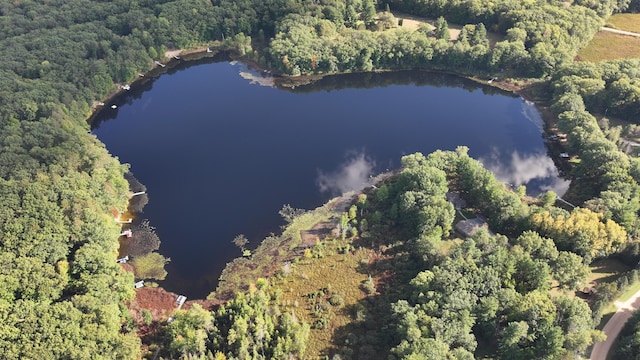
[188, 331]
[629, 341]
[548, 198]
[369, 13]
[479, 36]
[512, 338]
[351, 15]
[441, 29]
[570, 271]
[150, 266]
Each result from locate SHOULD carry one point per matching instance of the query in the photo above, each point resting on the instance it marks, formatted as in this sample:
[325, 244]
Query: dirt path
[621, 32]
[171, 53]
[614, 326]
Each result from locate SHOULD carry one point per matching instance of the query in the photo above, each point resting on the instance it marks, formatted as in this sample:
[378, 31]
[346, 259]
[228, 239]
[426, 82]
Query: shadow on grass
[371, 334]
[606, 271]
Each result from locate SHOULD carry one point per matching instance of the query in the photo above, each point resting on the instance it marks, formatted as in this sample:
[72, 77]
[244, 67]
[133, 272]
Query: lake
[221, 151]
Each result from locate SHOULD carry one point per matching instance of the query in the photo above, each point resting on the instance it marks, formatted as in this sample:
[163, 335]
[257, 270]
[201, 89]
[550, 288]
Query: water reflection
[352, 175]
[249, 149]
[259, 78]
[536, 170]
[530, 112]
[373, 80]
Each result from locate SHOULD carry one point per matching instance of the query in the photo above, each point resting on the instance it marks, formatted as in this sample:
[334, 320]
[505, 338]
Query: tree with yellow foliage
[582, 231]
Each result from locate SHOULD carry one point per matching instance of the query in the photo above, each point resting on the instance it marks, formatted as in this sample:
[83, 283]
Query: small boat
[126, 87]
[177, 57]
[114, 106]
[209, 50]
[160, 64]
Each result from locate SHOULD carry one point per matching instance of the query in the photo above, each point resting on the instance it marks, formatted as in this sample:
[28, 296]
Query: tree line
[62, 292]
[629, 340]
[606, 177]
[537, 38]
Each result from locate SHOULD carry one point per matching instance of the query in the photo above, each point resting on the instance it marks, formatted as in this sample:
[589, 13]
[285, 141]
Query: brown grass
[609, 46]
[274, 251]
[627, 22]
[337, 272]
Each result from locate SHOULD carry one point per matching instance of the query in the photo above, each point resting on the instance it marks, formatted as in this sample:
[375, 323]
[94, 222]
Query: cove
[220, 154]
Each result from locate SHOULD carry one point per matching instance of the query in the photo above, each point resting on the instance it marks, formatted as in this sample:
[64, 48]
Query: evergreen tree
[369, 13]
[442, 29]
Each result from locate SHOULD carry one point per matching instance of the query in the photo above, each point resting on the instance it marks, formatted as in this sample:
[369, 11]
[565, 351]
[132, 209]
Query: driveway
[621, 32]
[614, 326]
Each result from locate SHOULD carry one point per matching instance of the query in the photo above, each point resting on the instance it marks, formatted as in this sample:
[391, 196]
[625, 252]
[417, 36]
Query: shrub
[147, 318]
[150, 266]
[321, 323]
[368, 286]
[336, 300]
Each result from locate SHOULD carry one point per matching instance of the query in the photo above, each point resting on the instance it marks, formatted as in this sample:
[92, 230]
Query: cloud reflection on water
[531, 113]
[353, 174]
[537, 171]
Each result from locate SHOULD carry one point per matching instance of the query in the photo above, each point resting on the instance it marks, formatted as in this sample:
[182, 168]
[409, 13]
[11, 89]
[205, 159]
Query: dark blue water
[220, 155]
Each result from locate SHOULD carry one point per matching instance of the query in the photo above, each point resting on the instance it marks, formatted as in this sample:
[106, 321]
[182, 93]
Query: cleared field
[315, 282]
[610, 46]
[413, 23]
[627, 22]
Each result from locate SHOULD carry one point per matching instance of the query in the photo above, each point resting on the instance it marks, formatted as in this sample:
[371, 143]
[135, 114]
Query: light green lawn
[609, 46]
[627, 22]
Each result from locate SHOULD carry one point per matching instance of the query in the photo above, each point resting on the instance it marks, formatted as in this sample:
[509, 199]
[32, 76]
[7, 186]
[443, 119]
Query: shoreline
[175, 57]
[281, 80]
[155, 72]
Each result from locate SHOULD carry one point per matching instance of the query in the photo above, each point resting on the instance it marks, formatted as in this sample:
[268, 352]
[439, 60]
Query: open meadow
[627, 22]
[609, 46]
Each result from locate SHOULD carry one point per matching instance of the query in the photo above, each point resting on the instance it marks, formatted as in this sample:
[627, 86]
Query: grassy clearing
[606, 270]
[274, 251]
[632, 289]
[324, 291]
[411, 22]
[306, 222]
[610, 46]
[627, 22]
[445, 246]
[606, 316]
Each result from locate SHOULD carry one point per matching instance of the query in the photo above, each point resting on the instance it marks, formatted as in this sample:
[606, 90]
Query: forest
[62, 294]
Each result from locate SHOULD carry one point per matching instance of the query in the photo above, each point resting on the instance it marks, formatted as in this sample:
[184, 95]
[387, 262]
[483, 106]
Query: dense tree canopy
[629, 342]
[486, 287]
[251, 326]
[61, 289]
